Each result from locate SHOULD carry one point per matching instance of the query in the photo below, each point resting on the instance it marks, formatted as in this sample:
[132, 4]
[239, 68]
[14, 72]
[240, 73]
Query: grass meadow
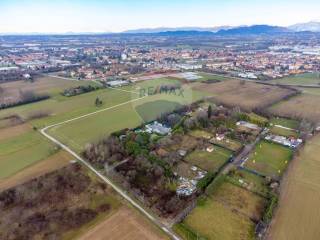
[20, 151]
[209, 161]
[269, 159]
[300, 79]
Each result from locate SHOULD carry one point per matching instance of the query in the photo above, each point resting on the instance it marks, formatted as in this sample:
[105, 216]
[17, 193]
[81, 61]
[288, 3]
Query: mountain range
[236, 30]
[312, 26]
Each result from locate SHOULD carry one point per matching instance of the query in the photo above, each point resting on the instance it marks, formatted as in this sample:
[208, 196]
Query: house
[288, 142]
[157, 128]
[117, 83]
[182, 152]
[210, 149]
[220, 137]
[248, 126]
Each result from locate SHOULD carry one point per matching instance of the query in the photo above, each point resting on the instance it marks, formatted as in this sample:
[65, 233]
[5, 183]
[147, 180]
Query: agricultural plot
[24, 148]
[241, 200]
[230, 144]
[227, 224]
[206, 77]
[301, 79]
[248, 96]
[298, 215]
[42, 85]
[230, 208]
[209, 161]
[125, 224]
[305, 106]
[52, 163]
[269, 159]
[248, 180]
[57, 110]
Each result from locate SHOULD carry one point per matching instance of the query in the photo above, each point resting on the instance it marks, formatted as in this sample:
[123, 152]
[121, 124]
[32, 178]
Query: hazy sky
[119, 15]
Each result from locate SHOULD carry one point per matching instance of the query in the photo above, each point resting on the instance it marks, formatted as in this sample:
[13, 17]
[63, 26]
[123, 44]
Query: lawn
[269, 159]
[153, 110]
[214, 220]
[283, 132]
[285, 122]
[301, 79]
[209, 161]
[201, 134]
[301, 192]
[23, 150]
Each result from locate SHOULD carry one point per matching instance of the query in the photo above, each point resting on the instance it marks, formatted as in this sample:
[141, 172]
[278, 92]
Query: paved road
[104, 178]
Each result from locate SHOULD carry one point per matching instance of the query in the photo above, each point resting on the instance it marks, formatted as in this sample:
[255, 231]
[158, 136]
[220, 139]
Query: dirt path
[125, 224]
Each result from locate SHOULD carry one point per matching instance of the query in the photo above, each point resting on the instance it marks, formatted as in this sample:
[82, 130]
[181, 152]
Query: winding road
[122, 193]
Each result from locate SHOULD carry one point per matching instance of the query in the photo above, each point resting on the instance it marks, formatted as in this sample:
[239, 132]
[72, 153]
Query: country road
[242, 155]
[101, 176]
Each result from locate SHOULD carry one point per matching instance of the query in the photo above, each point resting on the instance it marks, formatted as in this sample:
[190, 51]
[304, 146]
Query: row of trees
[25, 97]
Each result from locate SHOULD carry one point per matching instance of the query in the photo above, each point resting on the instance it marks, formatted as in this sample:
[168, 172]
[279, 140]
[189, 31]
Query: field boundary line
[280, 126]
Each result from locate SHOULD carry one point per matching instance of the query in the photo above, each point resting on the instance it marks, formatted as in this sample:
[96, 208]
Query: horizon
[78, 16]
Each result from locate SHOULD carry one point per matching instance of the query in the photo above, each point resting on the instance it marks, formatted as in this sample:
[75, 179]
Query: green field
[269, 159]
[285, 122]
[241, 200]
[209, 161]
[213, 220]
[66, 108]
[152, 110]
[312, 91]
[19, 152]
[283, 132]
[301, 79]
